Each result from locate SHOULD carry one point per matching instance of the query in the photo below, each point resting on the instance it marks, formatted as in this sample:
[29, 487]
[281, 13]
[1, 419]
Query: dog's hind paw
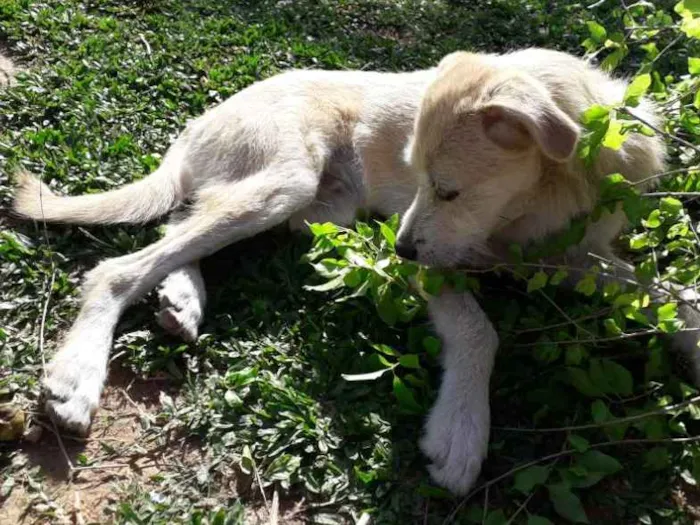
[180, 322]
[182, 297]
[72, 390]
[456, 441]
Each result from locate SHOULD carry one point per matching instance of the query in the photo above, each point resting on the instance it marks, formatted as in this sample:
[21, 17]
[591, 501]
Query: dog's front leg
[457, 431]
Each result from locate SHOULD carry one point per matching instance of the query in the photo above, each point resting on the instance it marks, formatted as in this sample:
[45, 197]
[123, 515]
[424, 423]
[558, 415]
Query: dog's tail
[138, 202]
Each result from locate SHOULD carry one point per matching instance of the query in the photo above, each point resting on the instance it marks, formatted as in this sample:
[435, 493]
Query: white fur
[457, 431]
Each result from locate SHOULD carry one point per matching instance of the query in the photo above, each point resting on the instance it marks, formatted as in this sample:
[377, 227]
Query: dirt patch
[687, 497]
[8, 70]
[118, 451]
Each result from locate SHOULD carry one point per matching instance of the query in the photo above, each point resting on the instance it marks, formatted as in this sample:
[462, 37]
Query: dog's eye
[447, 196]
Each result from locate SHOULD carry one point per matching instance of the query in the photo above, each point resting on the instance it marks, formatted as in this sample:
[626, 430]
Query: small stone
[33, 434]
[11, 422]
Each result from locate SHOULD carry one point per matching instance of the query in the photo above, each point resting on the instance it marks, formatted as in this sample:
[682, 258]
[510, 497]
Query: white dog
[476, 154]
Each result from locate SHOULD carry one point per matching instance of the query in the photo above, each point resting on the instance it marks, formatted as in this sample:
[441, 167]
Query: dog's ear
[522, 111]
[453, 58]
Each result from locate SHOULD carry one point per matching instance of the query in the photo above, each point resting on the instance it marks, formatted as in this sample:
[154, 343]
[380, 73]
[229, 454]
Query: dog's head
[478, 146]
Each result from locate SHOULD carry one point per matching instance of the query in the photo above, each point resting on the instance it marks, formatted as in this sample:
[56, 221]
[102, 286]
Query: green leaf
[578, 442]
[574, 354]
[691, 27]
[611, 326]
[409, 361]
[405, 396]
[580, 380]
[547, 352]
[496, 517]
[597, 31]
[613, 59]
[693, 6]
[595, 113]
[364, 229]
[538, 520]
[529, 478]
[354, 277]
[370, 376]
[432, 345]
[386, 350]
[596, 461]
[326, 228]
[386, 308]
[610, 377]
[637, 89]
[654, 219]
[614, 137]
[639, 241]
[282, 467]
[657, 458]
[333, 284]
[667, 312]
[7, 487]
[388, 234]
[537, 281]
[671, 206]
[232, 399]
[600, 412]
[247, 463]
[558, 277]
[696, 465]
[587, 286]
[694, 65]
[432, 281]
[567, 504]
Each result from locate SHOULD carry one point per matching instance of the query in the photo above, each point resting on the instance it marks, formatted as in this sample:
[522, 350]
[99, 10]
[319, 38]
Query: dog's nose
[406, 250]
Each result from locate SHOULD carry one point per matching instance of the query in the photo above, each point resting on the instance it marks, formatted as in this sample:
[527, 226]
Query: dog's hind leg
[220, 216]
[182, 296]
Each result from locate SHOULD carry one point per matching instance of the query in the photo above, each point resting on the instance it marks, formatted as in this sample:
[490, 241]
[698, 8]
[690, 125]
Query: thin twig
[77, 509]
[520, 508]
[596, 4]
[602, 312]
[672, 194]
[42, 329]
[665, 174]
[44, 313]
[145, 43]
[629, 419]
[54, 429]
[101, 467]
[262, 490]
[665, 49]
[274, 513]
[628, 335]
[560, 454]
[660, 131]
[563, 313]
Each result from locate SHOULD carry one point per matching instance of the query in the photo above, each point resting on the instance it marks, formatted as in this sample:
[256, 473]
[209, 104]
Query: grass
[260, 395]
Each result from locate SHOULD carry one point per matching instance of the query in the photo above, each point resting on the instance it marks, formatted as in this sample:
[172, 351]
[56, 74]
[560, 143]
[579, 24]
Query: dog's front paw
[72, 389]
[456, 441]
